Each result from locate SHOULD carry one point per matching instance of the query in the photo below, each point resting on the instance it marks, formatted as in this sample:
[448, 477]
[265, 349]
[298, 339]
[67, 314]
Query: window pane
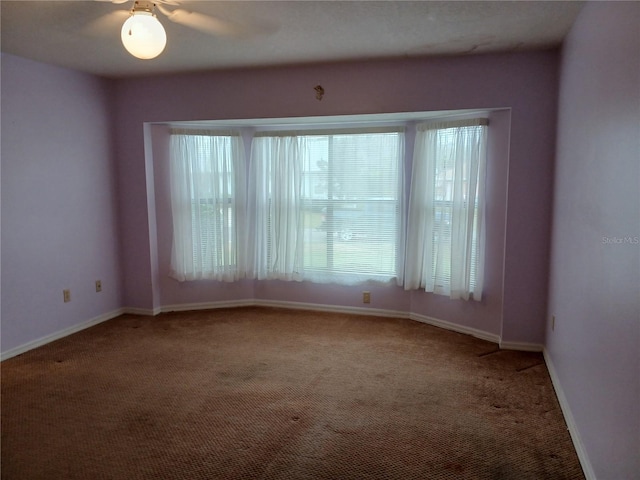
[452, 177]
[203, 194]
[445, 211]
[351, 197]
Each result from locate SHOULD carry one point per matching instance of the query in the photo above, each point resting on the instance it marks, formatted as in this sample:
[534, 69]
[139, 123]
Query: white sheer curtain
[207, 179]
[277, 207]
[445, 237]
[326, 206]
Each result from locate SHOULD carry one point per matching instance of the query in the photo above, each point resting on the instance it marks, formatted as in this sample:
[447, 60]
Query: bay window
[329, 206]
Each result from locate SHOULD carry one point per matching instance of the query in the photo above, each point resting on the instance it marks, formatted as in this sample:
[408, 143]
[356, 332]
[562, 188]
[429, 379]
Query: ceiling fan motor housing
[143, 6]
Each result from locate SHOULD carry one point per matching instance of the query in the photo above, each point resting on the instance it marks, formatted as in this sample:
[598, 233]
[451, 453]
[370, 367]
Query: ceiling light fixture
[142, 33]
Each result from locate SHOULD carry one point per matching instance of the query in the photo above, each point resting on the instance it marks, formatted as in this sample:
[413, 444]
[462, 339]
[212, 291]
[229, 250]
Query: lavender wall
[527, 83]
[595, 281]
[59, 227]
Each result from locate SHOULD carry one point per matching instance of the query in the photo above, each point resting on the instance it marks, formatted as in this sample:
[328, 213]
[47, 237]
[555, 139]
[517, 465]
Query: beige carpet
[256, 393]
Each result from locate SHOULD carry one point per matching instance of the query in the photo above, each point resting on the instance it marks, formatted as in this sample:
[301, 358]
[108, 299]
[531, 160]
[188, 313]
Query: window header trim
[204, 132]
[332, 121]
[330, 131]
[471, 122]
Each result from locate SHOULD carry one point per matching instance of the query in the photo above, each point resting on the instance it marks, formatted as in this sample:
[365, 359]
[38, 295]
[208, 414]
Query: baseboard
[377, 312]
[183, 307]
[142, 311]
[521, 346]
[60, 334]
[568, 417]
[455, 327]
[319, 307]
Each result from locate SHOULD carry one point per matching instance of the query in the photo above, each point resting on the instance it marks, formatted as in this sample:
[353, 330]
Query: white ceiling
[85, 35]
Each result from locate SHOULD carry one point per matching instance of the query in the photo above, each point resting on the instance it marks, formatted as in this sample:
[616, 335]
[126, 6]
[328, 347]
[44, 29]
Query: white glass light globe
[143, 35]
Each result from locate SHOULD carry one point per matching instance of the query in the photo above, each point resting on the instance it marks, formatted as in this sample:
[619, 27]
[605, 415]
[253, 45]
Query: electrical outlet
[66, 295]
[553, 322]
[98, 285]
[366, 297]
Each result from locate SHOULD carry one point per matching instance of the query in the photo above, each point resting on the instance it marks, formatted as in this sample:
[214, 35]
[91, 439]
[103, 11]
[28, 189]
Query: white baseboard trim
[142, 311]
[377, 312]
[521, 346]
[568, 417]
[319, 307]
[183, 307]
[455, 327]
[60, 334]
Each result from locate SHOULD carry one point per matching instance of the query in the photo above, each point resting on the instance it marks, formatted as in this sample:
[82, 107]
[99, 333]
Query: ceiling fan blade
[203, 23]
[106, 24]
